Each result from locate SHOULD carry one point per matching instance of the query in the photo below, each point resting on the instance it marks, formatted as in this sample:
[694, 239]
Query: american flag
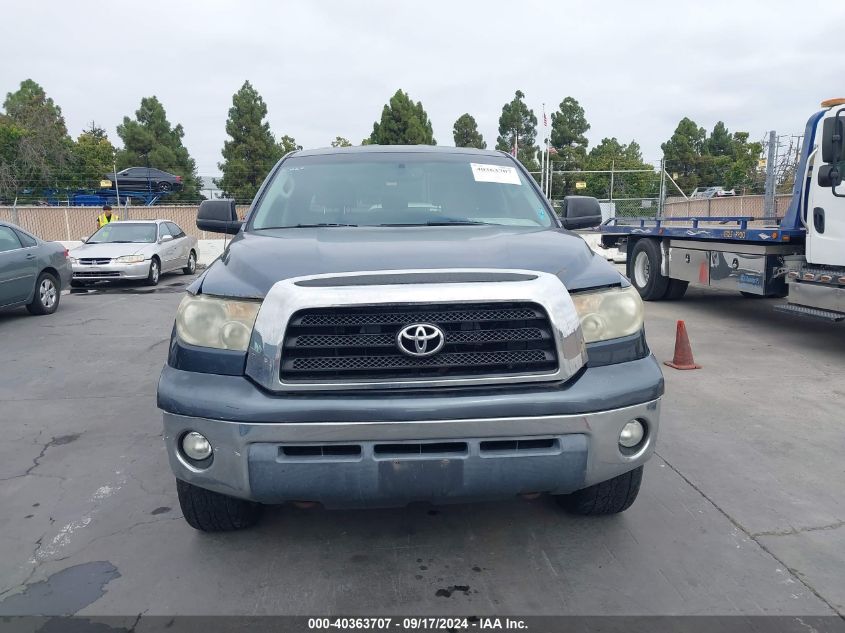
[545, 118]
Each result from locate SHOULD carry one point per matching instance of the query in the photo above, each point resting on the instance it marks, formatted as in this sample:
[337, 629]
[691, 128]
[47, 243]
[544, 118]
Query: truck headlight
[607, 314]
[130, 259]
[209, 321]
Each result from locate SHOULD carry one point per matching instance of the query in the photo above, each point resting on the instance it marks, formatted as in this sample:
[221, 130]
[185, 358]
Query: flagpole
[542, 156]
[548, 161]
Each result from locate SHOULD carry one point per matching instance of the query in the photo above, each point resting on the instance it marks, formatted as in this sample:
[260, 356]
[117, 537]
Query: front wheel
[191, 268]
[45, 300]
[155, 273]
[608, 497]
[644, 270]
[210, 511]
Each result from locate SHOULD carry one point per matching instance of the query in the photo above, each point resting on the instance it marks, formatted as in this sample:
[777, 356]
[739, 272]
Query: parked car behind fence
[145, 179]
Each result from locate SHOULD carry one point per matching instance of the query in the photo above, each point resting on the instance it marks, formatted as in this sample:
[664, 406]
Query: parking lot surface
[742, 510]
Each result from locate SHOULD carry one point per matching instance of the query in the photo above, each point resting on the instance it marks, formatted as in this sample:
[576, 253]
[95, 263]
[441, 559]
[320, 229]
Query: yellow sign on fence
[580, 185]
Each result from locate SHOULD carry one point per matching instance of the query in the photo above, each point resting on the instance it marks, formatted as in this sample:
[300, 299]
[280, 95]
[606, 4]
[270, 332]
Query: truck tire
[644, 270]
[608, 497]
[210, 511]
[676, 289]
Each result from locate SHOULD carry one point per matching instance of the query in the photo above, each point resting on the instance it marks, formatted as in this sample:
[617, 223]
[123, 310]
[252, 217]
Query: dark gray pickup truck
[398, 324]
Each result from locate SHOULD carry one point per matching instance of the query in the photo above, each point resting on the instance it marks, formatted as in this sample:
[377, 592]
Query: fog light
[632, 434]
[196, 446]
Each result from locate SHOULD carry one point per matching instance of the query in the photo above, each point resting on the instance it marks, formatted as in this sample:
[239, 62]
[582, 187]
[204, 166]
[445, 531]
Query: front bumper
[113, 270]
[369, 450]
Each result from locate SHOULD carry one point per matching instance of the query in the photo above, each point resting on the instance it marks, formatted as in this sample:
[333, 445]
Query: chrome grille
[100, 261]
[332, 344]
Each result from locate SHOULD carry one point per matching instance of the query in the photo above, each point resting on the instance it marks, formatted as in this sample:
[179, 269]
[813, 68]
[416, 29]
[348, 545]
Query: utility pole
[769, 198]
[612, 168]
[662, 194]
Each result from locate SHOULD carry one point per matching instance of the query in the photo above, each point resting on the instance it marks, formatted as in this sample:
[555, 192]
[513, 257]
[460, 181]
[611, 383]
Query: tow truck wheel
[644, 270]
[608, 497]
[210, 511]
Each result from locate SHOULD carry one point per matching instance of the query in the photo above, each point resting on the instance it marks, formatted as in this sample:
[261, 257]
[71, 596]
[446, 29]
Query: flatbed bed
[745, 229]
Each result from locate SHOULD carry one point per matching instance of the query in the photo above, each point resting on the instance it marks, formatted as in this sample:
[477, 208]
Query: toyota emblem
[420, 339]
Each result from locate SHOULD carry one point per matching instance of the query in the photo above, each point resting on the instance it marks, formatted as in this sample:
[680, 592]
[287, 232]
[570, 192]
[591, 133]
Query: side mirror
[833, 140]
[829, 176]
[166, 238]
[580, 212]
[833, 153]
[218, 216]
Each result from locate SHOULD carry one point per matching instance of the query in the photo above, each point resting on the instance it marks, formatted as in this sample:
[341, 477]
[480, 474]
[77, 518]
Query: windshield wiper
[444, 222]
[303, 226]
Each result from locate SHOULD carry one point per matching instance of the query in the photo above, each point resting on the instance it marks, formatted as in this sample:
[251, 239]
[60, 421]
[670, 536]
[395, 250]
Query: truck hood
[254, 261]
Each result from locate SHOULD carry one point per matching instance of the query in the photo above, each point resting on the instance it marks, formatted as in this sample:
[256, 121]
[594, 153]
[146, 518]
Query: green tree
[682, 154]
[611, 154]
[93, 156]
[721, 160]
[466, 134]
[339, 141]
[720, 142]
[11, 136]
[402, 122]
[743, 172]
[518, 128]
[151, 140]
[286, 145]
[250, 151]
[569, 140]
[34, 123]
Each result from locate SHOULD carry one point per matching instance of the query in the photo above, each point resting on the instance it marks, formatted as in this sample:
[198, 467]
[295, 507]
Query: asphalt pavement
[742, 510]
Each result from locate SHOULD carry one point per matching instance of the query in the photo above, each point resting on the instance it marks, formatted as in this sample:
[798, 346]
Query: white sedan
[134, 249]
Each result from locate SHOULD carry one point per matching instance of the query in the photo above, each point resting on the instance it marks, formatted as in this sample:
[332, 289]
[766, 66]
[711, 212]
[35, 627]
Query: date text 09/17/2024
[418, 624]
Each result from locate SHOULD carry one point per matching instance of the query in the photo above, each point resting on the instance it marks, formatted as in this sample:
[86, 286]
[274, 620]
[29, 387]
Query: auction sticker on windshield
[495, 173]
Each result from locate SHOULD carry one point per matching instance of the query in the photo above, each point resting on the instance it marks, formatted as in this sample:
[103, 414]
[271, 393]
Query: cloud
[327, 68]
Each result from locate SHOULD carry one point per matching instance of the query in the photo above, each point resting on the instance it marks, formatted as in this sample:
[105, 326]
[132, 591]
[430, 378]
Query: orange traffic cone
[683, 352]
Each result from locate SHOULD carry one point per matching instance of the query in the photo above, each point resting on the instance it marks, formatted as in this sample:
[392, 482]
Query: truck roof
[395, 149]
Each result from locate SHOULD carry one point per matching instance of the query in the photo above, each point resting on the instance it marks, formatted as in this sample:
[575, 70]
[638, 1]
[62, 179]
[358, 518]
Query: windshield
[399, 189]
[121, 232]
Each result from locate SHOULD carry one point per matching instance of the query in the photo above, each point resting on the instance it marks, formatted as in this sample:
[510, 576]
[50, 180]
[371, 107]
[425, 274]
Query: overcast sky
[327, 68]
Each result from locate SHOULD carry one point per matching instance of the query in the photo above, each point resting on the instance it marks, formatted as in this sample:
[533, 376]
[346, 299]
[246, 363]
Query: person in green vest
[106, 217]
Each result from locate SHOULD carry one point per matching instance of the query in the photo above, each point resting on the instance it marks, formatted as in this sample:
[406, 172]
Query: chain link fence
[75, 223]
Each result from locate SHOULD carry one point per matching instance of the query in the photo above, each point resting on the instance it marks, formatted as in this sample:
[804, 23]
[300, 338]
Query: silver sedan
[134, 249]
[32, 271]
